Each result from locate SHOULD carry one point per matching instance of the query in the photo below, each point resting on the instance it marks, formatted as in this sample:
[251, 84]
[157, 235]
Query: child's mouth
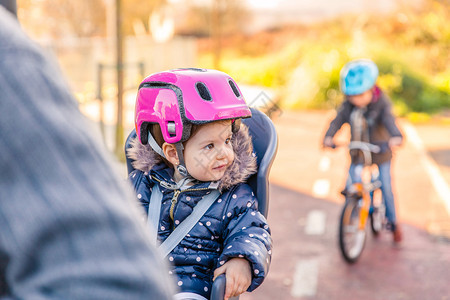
[220, 168]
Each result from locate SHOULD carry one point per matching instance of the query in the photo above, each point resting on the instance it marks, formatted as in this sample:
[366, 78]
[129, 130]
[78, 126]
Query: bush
[410, 89]
[303, 64]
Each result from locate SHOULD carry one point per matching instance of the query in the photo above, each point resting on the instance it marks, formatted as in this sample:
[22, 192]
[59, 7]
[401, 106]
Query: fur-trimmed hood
[244, 164]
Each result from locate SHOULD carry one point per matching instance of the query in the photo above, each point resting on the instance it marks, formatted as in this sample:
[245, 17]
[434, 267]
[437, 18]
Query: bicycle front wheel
[377, 217]
[351, 237]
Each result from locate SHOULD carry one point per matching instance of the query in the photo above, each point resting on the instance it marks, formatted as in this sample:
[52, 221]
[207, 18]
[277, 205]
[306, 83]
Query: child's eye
[209, 146]
[227, 141]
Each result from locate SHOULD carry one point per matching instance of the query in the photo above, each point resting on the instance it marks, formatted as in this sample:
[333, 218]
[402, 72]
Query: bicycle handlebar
[363, 146]
[366, 148]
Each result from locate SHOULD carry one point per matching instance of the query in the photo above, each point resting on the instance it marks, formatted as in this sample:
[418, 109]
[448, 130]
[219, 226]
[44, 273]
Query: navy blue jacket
[232, 226]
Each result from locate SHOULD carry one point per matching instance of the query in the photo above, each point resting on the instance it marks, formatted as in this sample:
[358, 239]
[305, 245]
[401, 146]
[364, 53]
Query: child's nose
[221, 153]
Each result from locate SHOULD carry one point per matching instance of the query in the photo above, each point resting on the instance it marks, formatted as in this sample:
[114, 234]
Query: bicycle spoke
[351, 237]
[350, 228]
[358, 244]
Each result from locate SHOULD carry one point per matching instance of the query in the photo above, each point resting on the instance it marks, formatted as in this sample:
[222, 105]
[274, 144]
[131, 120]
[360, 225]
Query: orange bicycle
[363, 200]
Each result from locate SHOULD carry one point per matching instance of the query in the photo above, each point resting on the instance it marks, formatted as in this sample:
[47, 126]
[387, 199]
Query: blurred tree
[214, 19]
[195, 21]
[216, 30]
[61, 18]
[198, 17]
[139, 10]
[79, 18]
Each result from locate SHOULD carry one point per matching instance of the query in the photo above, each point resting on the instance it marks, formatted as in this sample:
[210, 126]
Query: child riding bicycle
[190, 146]
[368, 112]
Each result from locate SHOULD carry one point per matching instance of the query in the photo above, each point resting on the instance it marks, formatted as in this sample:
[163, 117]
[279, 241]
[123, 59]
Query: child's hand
[395, 142]
[238, 276]
[328, 142]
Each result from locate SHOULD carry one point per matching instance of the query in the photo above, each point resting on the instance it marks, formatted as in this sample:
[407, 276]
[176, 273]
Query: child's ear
[171, 153]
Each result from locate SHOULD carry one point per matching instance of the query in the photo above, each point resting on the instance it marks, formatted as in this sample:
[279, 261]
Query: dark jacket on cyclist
[377, 125]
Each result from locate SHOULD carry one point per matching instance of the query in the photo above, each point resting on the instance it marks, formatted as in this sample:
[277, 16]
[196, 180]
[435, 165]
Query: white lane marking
[324, 164]
[430, 166]
[321, 188]
[315, 222]
[305, 278]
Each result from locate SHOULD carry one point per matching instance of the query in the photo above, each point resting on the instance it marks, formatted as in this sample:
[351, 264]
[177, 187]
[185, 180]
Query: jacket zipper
[174, 202]
[176, 194]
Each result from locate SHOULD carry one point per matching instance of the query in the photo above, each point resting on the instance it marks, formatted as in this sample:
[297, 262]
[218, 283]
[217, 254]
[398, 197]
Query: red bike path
[418, 268]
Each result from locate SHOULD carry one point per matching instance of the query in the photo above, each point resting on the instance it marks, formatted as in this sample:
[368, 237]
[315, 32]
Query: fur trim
[144, 158]
[244, 164]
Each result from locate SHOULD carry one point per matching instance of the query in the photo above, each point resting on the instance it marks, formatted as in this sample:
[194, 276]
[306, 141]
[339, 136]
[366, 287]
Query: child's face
[208, 153]
[361, 100]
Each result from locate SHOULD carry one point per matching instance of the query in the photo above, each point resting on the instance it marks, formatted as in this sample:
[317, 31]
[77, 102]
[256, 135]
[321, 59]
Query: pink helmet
[176, 99]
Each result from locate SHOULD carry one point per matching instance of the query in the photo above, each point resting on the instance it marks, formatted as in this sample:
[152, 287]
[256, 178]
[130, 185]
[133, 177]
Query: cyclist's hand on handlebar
[328, 142]
[395, 142]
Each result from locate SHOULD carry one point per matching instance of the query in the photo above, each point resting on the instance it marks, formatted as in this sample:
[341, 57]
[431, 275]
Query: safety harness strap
[154, 211]
[183, 229]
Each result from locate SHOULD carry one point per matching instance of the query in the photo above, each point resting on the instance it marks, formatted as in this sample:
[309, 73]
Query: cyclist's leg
[386, 189]
[375, 177]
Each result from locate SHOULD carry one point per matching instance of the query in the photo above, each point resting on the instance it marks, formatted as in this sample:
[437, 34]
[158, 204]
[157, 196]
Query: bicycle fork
[365, 207]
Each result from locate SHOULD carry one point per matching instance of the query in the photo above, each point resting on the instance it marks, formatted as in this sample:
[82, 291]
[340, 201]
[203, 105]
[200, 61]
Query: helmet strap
[154, 145]
[181, 167]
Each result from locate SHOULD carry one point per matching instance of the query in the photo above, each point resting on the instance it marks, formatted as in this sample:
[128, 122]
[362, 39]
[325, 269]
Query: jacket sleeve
[247, 234]
[341, 118]
[388, 119]
[68, 228]
[142, 189]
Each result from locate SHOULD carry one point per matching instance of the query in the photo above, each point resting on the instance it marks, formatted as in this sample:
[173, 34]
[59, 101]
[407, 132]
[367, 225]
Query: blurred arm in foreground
[67, 228]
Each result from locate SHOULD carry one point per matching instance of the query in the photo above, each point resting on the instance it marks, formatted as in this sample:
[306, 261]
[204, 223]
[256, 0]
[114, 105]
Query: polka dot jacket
[231, 227]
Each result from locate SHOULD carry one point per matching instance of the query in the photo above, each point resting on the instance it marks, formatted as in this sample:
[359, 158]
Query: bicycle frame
[356, 210]
[366, 186]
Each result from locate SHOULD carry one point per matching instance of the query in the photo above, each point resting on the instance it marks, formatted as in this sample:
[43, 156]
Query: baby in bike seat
[192, 157]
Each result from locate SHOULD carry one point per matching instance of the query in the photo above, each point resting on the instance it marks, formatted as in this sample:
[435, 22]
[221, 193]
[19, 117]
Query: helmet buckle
[171, 128]
[182, 170]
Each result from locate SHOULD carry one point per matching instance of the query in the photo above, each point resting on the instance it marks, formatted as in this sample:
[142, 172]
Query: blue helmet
[358, 76]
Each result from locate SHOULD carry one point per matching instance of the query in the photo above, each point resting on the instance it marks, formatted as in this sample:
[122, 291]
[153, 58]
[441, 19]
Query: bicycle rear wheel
[351, 238]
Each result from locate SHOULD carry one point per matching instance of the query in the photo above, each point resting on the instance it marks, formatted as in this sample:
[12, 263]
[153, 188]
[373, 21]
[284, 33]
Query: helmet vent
[234, 88]
[191, 69]
[154, 84]
[203, 91]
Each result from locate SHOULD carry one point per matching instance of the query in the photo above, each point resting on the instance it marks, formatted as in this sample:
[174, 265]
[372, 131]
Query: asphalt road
[305, 206]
